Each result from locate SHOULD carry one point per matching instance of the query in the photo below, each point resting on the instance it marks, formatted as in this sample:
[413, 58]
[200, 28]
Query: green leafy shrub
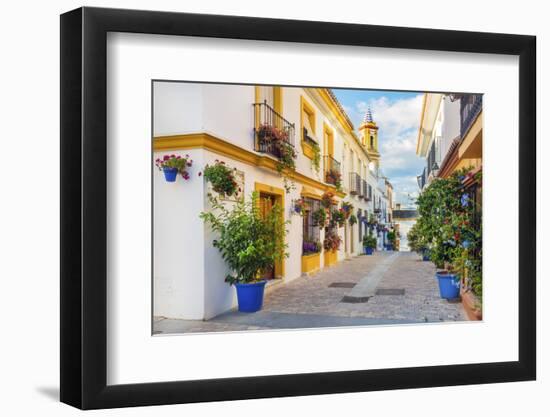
[369, 241]
[319, 217]
[338, 217]
[221, 177]
[248, 242]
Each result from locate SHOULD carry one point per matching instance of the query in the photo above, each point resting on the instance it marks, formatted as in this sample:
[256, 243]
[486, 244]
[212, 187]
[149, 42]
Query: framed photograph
[257, 208]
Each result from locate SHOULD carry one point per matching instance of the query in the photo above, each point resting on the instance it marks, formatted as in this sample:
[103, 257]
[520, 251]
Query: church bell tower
[369, 137]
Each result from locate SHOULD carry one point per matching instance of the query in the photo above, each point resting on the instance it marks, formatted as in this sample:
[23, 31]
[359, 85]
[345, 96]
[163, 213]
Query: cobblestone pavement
[310, 301]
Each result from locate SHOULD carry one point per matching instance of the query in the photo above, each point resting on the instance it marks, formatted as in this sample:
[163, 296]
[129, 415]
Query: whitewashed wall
[189, 272]
[178, 248]
[450, 123]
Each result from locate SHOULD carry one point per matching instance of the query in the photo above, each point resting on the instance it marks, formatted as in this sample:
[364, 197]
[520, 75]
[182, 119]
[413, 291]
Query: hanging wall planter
[172, 165]
[170, 174]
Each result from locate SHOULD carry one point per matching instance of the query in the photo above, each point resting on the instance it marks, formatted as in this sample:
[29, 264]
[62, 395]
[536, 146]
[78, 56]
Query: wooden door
[267, 201]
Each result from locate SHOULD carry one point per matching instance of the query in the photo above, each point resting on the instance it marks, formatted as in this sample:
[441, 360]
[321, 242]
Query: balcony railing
[470, 107]
[332, 171]
[272, 132]
[354, 183]
[361, 193]
[365, 188]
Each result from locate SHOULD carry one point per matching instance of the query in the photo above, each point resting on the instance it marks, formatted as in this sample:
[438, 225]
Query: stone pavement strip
[366, 288]
[311, 301]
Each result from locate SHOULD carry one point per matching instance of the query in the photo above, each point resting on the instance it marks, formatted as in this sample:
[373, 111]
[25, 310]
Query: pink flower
[166, 157]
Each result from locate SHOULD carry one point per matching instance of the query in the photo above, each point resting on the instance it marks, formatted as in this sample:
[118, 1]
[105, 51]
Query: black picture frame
[84, 207]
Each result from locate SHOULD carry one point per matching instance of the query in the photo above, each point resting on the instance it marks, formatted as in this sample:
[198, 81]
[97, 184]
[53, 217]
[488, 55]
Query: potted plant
[249, 243]
[332, 242]
[327, 198]
[316, 161]
[171, 165]
[334, 177]
[310, 247]
[222, 178]
[348, 208]
[369, 244]
[352, 220]
[300, 206]
[338, 217]
[391, 240]
[320, 217]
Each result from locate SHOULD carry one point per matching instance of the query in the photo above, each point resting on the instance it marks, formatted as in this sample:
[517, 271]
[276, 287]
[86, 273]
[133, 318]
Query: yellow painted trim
[310, 193]
[424, 99]
[306, 107]
[342, 118]
[280, 194]
[256, 110]
[328, 140]
[278, 99]
[331, 257]
[310, 110]
[311, 263]
[222, 147]
[308, 150]
[473, 136]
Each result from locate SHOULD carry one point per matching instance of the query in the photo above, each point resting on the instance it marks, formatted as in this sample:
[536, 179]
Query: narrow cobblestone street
[386, 288]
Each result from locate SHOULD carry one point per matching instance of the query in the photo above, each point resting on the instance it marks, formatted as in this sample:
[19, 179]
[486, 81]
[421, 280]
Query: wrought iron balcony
[470, 107]
[332, 171]
[361, 193]
[272, 132]
[365, 188]
[354, 183]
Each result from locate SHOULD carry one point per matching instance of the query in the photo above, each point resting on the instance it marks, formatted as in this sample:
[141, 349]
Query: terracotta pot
[471, 305]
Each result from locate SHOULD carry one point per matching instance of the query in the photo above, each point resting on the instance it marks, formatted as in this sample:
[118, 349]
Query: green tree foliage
[248, 242]
[445, 229]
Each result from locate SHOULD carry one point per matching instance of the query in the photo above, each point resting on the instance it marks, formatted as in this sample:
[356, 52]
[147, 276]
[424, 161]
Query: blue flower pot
[170, 174]
[250, 296]
[449, 286]
[368, 251]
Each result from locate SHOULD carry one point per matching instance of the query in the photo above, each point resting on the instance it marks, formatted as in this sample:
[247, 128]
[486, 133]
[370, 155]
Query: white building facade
[212, 122]
[439, 131]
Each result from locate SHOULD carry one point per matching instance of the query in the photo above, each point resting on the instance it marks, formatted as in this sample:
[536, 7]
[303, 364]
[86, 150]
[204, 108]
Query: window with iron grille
[311, 233]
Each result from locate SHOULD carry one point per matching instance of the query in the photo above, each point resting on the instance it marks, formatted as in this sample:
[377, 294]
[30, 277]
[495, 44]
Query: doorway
[268, 197]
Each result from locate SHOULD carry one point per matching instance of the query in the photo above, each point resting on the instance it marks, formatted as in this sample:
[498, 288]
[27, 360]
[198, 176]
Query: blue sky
[397, 115]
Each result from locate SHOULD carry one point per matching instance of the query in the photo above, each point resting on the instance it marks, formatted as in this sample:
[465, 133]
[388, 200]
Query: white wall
[189, 272]
[34, 388]
[404, 227]
[177, 108]
[178, 249]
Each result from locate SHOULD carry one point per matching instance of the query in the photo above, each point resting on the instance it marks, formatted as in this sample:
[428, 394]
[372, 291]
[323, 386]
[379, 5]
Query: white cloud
[398, 123]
